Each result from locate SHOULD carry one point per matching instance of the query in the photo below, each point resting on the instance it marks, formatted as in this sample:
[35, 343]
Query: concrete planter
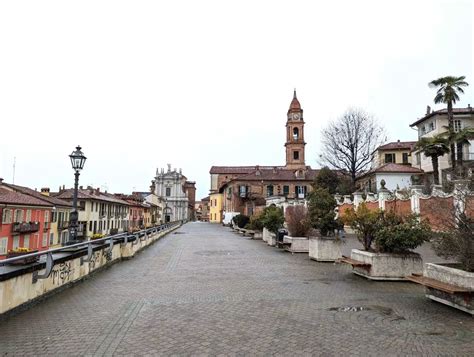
[297, 244]
[271, 239]
[453, 276]
[265, 235]
[324, 249]
[387, 266]
[258, 235]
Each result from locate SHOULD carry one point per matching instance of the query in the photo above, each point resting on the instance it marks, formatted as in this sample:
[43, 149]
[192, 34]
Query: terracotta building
[245, 188]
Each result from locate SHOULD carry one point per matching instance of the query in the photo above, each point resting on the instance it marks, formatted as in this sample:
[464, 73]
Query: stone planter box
[297, 244]
[324, 249]
[449, 275]
[386, 266]
[265, 235]
[258, 235]
[271, 239]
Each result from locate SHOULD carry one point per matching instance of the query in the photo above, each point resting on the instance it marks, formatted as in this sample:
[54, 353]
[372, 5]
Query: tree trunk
[459, 147]
[451, 127]
[434, 162]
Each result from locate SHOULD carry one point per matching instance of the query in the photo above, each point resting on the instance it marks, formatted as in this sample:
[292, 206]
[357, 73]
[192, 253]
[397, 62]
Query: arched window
[296, 133]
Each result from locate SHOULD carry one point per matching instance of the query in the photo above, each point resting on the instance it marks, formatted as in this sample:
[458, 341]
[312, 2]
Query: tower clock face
[296, 116]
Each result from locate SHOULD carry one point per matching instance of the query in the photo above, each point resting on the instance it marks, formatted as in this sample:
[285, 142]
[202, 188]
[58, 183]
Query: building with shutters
[244, 189]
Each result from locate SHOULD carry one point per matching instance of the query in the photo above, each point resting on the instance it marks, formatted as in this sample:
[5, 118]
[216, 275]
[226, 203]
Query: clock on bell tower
[295, 144]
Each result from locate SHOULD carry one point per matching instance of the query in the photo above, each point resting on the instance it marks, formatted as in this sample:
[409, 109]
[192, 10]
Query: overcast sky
[140, 84]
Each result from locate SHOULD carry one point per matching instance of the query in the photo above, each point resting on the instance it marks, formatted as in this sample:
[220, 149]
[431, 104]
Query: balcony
[25, 227]
[63, 225]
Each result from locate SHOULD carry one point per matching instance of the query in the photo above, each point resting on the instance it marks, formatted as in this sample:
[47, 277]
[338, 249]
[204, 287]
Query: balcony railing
[25, 227]
[63, 225]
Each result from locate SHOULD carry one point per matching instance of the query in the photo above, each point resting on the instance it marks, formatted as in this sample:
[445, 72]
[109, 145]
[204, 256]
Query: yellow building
[393, 153]
[215, 207]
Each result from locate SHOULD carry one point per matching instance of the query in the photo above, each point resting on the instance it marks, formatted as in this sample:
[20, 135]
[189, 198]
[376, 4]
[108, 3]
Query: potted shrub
[241, 220]
[456, 244]
[272, 219]
[325, 246]
[17, 252]
[256, 225]
[394, 237]
[299, 225]
[97, 236]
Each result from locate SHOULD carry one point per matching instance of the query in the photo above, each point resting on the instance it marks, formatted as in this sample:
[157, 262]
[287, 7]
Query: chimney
[97, 191]
[428, 109]
[1, 180]
[45, 191]
[81, 187]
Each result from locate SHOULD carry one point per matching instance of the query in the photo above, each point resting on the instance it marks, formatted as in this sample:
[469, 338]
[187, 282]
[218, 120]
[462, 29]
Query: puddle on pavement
[382, 310]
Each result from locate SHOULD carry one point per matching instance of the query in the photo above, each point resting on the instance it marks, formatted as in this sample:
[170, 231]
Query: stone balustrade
[61, 267]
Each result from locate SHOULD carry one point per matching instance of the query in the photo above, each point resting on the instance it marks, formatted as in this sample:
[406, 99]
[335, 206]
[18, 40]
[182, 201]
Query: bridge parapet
[22, 282]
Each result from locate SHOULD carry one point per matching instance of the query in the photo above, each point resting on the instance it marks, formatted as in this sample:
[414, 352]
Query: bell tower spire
[295, 145]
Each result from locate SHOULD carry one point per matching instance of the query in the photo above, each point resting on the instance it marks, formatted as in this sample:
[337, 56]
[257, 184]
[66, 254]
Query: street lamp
[77, 161]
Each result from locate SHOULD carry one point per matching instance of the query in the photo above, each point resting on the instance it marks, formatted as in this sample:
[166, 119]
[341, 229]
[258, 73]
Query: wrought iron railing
[25, 227]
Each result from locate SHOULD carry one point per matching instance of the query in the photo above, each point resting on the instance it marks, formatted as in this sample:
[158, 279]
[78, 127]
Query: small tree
[458, 244]
[273, 218]
[334, 181]
[365, 222]
[434, 148]
[298, 221]
[321, 206]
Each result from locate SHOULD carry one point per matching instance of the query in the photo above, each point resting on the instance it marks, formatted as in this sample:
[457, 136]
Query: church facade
[244, 189]
[173, 188]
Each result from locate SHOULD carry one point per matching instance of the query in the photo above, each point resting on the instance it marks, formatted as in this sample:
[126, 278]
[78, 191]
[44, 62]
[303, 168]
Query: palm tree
[434, 148]
[461, 138]
[449, 88]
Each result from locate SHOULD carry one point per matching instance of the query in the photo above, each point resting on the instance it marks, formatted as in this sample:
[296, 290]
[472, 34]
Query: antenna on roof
[14, 167]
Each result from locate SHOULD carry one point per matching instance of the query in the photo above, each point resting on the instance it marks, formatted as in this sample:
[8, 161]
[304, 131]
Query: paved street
[206, 290]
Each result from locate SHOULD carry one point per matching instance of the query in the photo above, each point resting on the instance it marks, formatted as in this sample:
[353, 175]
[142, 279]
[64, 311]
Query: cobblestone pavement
[208, 291]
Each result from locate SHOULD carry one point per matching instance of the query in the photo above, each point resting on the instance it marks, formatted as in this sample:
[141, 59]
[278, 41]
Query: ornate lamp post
[77, 161]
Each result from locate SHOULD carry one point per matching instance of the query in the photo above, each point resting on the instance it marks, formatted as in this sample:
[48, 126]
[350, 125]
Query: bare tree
[349, 141]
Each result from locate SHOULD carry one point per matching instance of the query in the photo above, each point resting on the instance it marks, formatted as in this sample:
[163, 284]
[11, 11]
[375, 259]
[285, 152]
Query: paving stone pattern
[208, 291]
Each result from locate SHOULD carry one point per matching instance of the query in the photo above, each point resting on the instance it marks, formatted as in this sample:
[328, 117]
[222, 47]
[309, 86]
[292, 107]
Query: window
[300, 191]
[168, 191]
[7, 216]
[26, 241]
[16, 242]
[35, 241]
[270, 190]
[418, 158]
[296, 133]
[389, 158]
[457, 125]
[19, 215]
[431, 126]
[296, 155]
[46, 216]
[242, 191]
[28, 215]
[51, 239]
[90, 226]
[45, 240]
[405, 158]
[3, 245]
[81, 205]
[286, 190]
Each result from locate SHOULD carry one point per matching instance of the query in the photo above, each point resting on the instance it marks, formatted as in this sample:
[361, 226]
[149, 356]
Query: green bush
[273, 218]
[256, 222]
[397, 234]
[391, 232]
[321, 211]
[241, 220]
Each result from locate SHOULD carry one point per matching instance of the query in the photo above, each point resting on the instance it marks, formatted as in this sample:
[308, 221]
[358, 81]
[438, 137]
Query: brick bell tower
[295, 136]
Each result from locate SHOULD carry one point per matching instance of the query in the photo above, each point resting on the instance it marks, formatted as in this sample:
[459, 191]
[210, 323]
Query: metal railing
[25, 227]
[123, 238]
